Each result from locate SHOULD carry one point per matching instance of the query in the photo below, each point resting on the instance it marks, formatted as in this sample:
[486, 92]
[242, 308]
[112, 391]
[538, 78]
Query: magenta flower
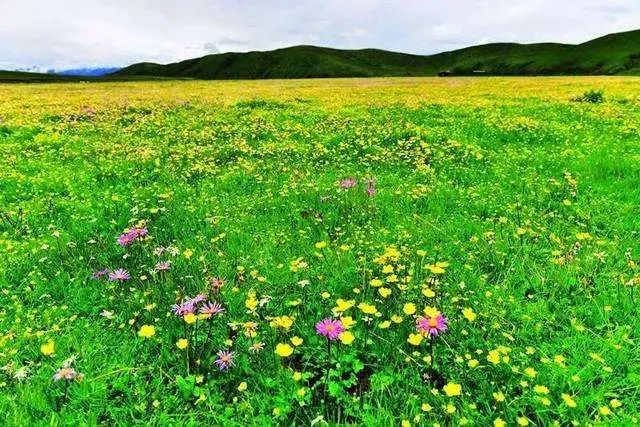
[330, 328]
[348, 182]
[119, 275]
[224, 360]
[211, 308]
[431, 326]
[127, 238]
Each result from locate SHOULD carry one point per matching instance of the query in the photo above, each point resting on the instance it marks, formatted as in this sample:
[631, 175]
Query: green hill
[612, 54]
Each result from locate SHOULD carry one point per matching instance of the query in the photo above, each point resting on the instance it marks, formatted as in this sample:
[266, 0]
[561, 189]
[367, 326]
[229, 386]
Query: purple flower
[97, 275]
[127, 238]
[211, 308]
[185, 307]
[120, 275]
[330, 328]
[431, 325]
[370, 186]
[348, 182]
[224, 360]
[163, 266]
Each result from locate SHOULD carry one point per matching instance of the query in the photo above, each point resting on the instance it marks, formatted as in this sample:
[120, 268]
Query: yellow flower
[296, 341]
[452, 389]
[242, 386]
[409, 308]
[147, 331]
[385, 324]
[450, 409]
[320, 245]
[469, 314]
[48, 348]
[604, 410]
[438, 267]
[499, 422]
[426, 407]
[583, 236]
[615, 403]
[188, 253]
[347, 337]
[498, 396]
[431, 311]
[396, 319]
[347, 321]
[494, 357]
[522, 421]
[473, 363]
[342, 306]
[376, 283]
[387, 269]
[182, 343]
[190, 318]
[297, 376]
[283, 322]
[427, 292]
[384, 292]
[414, 339]
[568, 400]
[405, 423]
[530, 372]
[367, 308]
[284, 350]
[540, 389]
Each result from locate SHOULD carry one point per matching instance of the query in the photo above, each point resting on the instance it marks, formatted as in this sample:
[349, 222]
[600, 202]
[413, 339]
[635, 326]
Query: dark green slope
[611, 54]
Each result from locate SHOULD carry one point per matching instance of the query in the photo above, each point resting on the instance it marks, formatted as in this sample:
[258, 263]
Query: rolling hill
[609, 55]
[612, 54]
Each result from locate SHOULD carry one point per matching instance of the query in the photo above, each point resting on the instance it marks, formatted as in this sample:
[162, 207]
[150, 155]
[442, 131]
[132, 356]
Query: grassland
[505, 205]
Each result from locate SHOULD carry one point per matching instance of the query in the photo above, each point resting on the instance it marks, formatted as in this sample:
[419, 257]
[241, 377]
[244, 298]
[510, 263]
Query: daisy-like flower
[330, 328]
[348, 182]
[163, 266]
[216, 283]
[67, 374]
[211, 308]
[225, 360]
[125, 239]
[256, 347]
[431, 326]
[119, 275]
[185, 307]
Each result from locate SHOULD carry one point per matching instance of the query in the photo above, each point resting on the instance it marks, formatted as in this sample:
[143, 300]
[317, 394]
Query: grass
[500, 202]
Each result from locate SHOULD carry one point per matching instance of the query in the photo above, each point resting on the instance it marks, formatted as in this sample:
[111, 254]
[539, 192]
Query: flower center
[432, 322]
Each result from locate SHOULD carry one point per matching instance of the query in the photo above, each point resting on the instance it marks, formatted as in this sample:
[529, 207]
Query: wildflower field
[407, 251]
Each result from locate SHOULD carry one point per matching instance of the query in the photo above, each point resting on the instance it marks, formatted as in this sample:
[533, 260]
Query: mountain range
[613, 54]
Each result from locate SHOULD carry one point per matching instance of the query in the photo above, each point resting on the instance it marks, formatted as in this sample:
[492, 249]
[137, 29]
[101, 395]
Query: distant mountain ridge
[612, 54]
[91, 72]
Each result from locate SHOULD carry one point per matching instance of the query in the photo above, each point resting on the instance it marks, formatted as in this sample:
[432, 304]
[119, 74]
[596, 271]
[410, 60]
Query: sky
[63, 34]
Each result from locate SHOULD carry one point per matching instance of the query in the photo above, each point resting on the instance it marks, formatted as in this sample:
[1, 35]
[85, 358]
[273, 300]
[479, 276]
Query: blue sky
[64, 34]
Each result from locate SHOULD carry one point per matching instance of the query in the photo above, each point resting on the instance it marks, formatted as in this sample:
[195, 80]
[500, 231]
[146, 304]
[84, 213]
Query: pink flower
[330, 328]
[211, 308]
[431, 325]
[348, 182]
[119, 275]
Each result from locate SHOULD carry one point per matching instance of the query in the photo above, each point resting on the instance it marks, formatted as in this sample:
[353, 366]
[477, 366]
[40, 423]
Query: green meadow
[394, 251]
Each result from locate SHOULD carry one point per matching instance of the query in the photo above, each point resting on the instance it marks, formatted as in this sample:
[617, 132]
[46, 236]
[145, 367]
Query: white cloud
[73, 33]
